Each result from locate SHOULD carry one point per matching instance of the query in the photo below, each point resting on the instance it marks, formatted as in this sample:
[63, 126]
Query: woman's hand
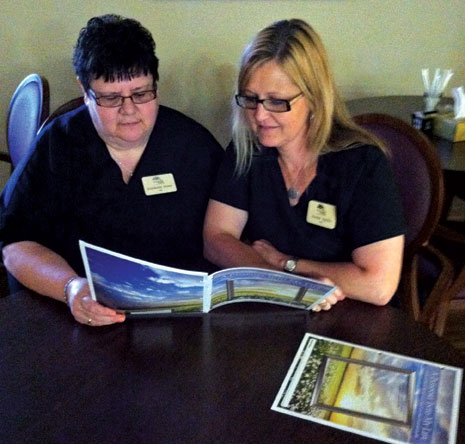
[274, 257]
[270, 254]
[332, 299]
[87, 311]
[222, 233]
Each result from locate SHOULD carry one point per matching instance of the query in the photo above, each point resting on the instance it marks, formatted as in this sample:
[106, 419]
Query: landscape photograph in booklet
[125, 284]
[382, 395]
[244, 284]
[131, 285]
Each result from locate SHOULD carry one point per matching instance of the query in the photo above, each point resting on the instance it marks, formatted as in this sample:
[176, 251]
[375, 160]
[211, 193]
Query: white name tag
[159, 184]
[321, 214]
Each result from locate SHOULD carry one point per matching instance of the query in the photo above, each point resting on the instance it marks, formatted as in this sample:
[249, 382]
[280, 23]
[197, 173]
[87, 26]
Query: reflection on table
[204, 379]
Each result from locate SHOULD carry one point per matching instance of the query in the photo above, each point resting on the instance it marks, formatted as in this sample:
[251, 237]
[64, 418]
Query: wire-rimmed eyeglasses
[113, 101]
[272, 105]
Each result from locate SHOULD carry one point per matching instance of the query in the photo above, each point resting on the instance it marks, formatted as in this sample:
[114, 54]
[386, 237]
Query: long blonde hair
[298, 50]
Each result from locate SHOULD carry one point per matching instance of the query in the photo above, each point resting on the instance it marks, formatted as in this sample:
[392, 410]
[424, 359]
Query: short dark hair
[114, 48]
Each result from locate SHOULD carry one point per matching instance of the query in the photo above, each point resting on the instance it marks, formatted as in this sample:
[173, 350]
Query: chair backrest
[29, 106]
[67, 106]
[417, 170]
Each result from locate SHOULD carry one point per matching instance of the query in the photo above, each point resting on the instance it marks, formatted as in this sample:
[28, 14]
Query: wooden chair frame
[67, 106]
[450, 302]
[419, 246]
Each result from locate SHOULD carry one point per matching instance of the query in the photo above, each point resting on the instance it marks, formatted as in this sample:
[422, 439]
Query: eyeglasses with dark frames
[114, 101]
[272, 105]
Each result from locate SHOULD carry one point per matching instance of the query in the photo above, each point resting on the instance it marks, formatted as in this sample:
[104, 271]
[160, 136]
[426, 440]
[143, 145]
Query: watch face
[290, 265]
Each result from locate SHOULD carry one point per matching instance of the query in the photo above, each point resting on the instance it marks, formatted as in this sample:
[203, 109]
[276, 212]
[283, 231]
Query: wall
[376, 47]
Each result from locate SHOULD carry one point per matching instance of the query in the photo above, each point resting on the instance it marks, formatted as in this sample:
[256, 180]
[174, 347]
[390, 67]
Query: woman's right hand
[332, 299]
[87, 311]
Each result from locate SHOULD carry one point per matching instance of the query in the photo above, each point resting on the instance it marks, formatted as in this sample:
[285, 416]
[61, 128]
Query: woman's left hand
[277, 259]
[270, 254]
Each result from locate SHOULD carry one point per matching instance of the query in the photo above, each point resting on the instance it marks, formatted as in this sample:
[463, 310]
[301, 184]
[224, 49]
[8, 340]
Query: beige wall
[377, 47]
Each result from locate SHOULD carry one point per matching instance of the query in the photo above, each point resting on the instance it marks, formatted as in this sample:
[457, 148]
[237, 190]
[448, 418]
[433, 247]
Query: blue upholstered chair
[28, 108]
[31, 100]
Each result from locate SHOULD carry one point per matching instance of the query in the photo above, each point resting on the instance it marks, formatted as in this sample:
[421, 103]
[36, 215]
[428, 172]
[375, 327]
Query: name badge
[321, 214]
[159, 184]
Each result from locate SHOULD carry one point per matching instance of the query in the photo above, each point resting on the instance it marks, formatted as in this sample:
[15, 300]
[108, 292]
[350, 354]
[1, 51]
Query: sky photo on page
[126, 284]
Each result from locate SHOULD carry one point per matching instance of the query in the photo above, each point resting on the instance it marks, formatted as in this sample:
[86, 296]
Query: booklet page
[382, 395]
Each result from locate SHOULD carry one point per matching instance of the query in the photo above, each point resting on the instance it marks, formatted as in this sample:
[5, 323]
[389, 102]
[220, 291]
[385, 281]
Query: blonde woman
[302, 188]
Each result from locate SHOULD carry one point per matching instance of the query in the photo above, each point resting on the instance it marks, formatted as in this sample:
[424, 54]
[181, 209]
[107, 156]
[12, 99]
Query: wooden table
[452, 154]
[206, 379]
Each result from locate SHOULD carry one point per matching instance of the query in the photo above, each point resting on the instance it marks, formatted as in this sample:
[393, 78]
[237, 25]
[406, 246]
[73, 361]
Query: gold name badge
[321, 214]
[159, 184]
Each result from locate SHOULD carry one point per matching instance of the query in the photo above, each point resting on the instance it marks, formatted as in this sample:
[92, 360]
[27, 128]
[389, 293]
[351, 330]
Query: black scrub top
[356, 182]
[70, 189]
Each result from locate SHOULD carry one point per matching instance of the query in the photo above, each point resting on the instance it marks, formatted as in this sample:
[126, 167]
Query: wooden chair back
[417, 170]
[67, 106]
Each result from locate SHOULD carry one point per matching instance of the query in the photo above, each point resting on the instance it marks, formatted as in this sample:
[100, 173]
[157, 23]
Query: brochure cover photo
[131, 285]
[381, 395]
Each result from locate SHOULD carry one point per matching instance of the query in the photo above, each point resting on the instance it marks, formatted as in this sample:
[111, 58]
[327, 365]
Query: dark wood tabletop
[205, 379]
[452, 154]
[401, 107]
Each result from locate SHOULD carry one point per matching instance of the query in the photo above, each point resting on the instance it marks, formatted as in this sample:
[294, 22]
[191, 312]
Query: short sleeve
[231, 188]
[30, 201]
[376, 211]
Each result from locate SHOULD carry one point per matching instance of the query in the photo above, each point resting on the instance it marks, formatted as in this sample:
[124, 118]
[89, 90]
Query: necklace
[293, 193]
[129, 171]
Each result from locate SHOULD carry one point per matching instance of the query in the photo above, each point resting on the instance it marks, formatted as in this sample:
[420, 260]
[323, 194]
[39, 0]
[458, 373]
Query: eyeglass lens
[273, 105]
[116, 100]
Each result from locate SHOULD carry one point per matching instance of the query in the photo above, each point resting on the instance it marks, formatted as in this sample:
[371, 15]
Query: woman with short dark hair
[91, 175]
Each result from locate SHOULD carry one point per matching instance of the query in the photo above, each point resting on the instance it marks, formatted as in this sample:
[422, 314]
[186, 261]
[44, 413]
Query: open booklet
[381, 395]
[138, 287]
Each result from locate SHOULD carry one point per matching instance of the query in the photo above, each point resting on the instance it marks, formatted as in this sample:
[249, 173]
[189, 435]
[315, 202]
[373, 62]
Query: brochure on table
[381, 395]
[135, 286]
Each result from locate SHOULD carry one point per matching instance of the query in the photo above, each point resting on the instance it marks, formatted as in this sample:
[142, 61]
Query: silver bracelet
[65, 289]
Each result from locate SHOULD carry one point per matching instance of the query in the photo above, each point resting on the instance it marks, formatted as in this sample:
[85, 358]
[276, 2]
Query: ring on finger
[89, 321]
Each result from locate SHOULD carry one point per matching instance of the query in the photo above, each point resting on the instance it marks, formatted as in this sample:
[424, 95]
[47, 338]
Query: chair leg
[449, 303]
[3, 281]
[409, 288]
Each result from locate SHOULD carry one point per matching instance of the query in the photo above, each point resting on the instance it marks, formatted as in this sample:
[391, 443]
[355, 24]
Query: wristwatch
[290, 264]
